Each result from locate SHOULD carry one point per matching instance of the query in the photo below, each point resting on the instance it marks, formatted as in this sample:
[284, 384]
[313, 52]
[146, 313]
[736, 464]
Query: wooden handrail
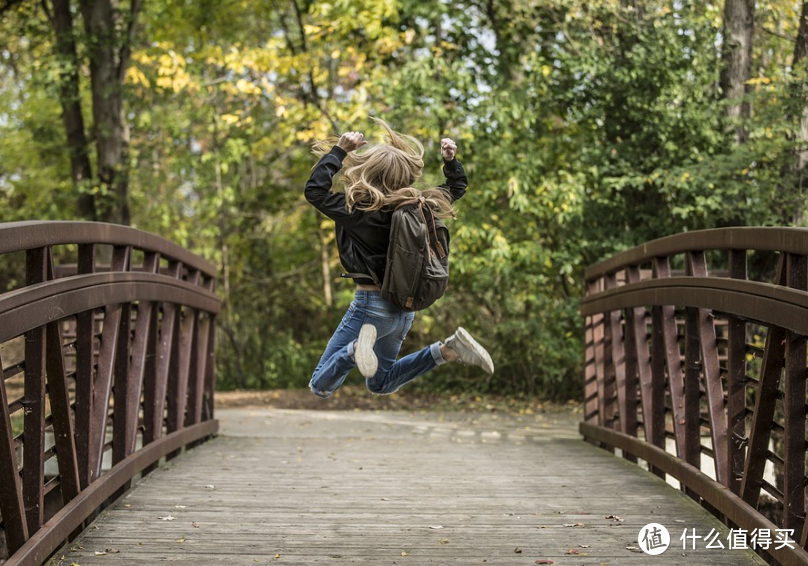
[144, 343]
[641, 369]
[760, 238]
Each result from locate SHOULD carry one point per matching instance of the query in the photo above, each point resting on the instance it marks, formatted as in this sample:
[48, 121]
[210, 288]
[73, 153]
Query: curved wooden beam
[36, 305]
[19, 236]
[763, 302]
[787, 240]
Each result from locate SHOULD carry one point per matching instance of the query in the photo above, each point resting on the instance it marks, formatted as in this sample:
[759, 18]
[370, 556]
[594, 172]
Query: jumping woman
[370, 335]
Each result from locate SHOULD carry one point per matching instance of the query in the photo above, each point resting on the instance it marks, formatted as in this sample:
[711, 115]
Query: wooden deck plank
[316, 487]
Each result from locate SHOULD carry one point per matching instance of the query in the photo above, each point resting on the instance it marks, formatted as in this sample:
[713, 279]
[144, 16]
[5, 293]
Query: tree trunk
[72, 116]
[325, 263]
[737, 57]
[223, 228]
[109, 124]
[801, 157]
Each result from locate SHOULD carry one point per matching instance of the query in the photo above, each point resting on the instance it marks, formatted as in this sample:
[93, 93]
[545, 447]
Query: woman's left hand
[351, 141]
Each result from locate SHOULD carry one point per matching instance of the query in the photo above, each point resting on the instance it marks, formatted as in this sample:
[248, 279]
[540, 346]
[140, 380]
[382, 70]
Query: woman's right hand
[448, 148]
[351, 141]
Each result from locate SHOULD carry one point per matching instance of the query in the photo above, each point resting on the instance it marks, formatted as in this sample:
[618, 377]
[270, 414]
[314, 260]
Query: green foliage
[585, 128]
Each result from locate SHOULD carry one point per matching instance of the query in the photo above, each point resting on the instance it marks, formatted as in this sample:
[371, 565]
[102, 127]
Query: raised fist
[448, 148]
[351, 141]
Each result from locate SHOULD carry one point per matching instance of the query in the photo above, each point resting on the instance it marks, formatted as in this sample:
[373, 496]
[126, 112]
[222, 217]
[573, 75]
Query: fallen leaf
[544, 562]
[444, 541]
[112, 551]
[613, 518]
[75, 564]
[517, 550]
[277, 556]
[194, 524]
[385, 499]
[404, 553]
[100, 553]
[166, 518]
[128, 506]
[573, 551]
[574, 525]
[210, 487]
[179, 507]
[181, 540]
[585, 545]
[436, 526]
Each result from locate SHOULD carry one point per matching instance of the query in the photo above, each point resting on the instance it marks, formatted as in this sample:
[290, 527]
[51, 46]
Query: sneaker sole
[366, 359]
[470, 343]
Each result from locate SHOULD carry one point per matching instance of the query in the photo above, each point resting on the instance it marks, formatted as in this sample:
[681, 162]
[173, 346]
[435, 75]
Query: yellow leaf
[759, 80]
[230, 119]
[404, 553]
[546, 70]
[136, 76]
[335, 54]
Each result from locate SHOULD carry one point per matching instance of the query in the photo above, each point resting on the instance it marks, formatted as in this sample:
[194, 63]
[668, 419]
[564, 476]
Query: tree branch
[47, 10]
[126, 48]
[313, 97]
[8, 5]
[774, 33]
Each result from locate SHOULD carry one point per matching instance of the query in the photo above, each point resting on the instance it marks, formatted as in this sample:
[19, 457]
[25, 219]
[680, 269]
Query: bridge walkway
[396, 488]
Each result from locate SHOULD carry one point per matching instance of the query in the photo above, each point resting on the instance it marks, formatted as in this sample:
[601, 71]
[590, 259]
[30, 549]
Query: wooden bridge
[695, 374]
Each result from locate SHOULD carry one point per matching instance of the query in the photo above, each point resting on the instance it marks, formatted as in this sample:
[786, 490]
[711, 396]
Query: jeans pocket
[406, 325]
[347, 317]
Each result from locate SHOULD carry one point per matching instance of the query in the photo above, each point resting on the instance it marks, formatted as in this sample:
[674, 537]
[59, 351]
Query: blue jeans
[392, 325]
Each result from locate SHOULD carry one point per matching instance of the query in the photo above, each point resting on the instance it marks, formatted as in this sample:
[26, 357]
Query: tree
[109, 36]
[72, 115]
[799, 69]
[738, 33]
[586, 127]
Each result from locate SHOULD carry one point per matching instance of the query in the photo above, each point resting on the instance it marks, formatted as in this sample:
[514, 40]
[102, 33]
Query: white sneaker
[469, 351]
[365, 357]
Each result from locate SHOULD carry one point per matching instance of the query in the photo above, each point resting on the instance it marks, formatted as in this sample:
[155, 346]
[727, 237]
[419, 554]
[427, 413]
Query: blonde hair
[383, 175]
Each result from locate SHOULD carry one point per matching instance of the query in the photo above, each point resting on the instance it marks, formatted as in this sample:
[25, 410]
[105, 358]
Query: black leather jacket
[362, 237]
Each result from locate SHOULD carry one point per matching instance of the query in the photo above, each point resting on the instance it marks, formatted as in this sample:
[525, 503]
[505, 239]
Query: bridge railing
[696, 363]
[106, 366]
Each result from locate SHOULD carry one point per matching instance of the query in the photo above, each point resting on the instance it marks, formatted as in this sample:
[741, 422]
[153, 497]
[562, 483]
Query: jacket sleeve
[456, 181]
[318, 188]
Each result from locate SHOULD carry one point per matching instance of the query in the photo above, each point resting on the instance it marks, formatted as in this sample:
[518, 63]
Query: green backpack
[417, 271]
